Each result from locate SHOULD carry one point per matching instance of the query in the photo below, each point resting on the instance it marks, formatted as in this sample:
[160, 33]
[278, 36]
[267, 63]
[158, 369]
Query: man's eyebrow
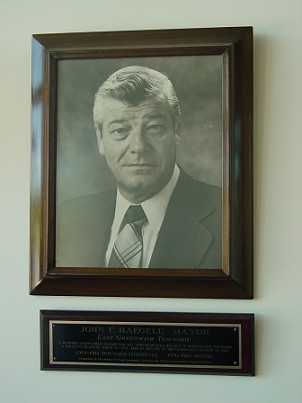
[147, 116]
[155, 116]
[114, 121]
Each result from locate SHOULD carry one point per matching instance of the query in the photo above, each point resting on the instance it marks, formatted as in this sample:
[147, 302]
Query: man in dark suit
[158, 217]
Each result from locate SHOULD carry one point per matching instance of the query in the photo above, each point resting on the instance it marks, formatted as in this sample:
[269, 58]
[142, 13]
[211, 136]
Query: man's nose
[138, 142]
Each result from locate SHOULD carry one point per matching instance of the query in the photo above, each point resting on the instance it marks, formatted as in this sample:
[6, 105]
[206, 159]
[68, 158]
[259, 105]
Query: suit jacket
[190, 236]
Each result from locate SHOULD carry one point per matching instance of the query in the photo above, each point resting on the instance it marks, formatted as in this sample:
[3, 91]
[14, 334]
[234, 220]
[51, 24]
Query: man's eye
[155, 128]
[119, 132]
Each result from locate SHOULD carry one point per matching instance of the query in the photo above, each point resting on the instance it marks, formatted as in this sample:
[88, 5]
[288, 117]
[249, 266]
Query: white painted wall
[278, 208]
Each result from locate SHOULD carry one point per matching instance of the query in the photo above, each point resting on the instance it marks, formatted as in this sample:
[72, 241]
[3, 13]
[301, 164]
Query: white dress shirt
[155, 210]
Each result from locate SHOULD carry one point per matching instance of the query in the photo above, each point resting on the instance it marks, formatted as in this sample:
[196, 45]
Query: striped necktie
[128, 248]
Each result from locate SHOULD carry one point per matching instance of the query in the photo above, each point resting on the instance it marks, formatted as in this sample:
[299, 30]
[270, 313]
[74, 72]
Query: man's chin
[139, 190]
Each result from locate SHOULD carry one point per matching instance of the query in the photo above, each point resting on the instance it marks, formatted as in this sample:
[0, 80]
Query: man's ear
[99, 138]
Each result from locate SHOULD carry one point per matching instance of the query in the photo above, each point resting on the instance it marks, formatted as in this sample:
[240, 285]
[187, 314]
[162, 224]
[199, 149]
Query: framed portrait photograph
[141, 174]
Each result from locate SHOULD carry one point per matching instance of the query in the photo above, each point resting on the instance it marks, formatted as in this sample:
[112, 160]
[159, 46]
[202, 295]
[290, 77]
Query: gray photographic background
[198, 84]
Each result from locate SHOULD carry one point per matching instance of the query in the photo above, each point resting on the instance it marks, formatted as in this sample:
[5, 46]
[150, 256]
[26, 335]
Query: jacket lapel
[184, 240]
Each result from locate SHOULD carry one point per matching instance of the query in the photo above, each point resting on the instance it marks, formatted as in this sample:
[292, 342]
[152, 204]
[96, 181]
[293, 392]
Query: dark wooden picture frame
[235, 279]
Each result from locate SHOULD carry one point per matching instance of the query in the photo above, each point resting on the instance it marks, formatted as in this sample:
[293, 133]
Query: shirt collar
[154, 208]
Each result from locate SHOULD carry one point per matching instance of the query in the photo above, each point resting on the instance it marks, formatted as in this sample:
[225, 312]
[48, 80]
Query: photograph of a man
[157, 216]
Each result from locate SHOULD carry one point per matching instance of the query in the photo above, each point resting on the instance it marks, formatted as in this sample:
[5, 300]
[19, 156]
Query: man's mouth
[140, 165]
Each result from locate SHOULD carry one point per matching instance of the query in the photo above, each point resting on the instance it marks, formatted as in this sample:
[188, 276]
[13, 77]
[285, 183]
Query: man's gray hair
[132, 85]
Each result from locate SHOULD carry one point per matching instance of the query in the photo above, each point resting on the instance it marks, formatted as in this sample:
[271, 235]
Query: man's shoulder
[191, 191]
[83, 229]
[90, 204]
[91, 199]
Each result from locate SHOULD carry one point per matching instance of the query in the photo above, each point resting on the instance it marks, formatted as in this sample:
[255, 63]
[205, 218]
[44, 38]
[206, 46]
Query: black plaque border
[245, 321]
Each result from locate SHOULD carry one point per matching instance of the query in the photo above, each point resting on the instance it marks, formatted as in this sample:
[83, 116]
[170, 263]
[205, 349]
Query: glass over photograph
[139, 163]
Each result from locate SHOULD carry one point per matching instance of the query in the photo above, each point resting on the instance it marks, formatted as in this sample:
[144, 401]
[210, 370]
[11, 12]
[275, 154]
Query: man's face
[139, 145]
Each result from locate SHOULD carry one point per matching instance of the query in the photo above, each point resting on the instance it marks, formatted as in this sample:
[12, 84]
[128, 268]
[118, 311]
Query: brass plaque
[147, 341]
